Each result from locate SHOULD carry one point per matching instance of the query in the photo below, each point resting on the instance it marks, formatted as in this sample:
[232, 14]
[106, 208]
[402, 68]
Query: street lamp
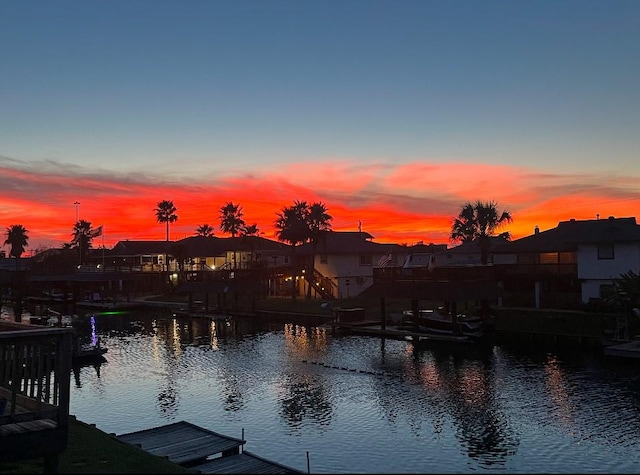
[77, 203]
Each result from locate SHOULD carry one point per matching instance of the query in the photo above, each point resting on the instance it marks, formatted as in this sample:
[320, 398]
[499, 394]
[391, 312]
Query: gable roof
[197, 246]
[348, 242]
[473, 247]
[569, 234]
[137, 248]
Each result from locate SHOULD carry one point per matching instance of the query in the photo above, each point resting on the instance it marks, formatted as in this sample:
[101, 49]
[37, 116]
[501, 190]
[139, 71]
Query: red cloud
[403, 203]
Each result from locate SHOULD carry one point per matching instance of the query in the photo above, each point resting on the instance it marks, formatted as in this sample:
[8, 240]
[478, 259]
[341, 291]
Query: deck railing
[35, 372]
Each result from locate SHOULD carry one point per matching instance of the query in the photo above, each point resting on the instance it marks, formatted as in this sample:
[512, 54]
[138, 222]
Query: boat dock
[375, 328]
[201, 450]
[629, 349]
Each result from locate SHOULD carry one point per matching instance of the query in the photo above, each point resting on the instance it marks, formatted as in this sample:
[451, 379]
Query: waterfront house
[344, 262]
[567, 266]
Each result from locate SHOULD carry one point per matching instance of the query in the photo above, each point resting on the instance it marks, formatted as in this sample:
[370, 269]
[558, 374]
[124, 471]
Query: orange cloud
[403, 203]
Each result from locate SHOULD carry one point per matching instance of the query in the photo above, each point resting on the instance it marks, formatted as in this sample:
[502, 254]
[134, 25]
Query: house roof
[569, 234]
[137, 248]
[434, 290]
[197, 246]
[348, 242]
[473, 247]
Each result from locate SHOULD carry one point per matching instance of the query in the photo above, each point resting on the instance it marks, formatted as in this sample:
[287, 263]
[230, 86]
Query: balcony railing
[35, 371]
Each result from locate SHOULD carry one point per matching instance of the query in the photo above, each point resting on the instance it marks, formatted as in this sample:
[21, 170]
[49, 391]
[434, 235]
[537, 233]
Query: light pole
[77, 203]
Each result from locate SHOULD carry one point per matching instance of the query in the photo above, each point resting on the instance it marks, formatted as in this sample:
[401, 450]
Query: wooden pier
[201, 450]
[629, 349]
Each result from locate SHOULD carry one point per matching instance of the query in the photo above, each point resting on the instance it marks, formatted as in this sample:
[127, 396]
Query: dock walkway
[193, 447]
[629, 349]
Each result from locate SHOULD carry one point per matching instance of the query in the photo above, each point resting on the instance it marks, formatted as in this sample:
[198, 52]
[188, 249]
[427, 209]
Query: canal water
[359, 404]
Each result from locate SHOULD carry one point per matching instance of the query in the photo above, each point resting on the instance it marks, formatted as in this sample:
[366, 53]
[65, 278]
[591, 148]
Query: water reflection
[303, 395]
[78, 368]
[398, 408]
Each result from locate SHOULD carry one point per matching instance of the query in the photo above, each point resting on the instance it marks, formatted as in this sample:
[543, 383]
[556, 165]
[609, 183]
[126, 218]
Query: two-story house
[344, 262]
[569, 265]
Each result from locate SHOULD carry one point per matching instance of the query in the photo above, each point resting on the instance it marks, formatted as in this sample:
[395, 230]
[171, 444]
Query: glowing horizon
[402, 204]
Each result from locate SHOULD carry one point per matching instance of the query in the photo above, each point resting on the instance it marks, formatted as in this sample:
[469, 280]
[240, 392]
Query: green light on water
[113, 312]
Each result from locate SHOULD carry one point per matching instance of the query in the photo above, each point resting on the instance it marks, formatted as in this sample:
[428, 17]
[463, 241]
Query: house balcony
[35, 371]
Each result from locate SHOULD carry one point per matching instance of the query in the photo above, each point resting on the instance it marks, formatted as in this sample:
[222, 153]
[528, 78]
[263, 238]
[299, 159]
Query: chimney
[536, 230]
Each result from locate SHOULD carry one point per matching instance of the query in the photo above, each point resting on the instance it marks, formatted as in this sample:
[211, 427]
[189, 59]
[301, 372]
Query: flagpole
[102, 247]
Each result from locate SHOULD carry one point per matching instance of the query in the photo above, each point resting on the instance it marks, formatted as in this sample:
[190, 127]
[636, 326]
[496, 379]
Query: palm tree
[166, 213]
[292, 227]
[204, 230]
[478, 222]
[231, 222]
[82, 239]
[319, 223]
[247, 233]
[18, 239]
[180, 253]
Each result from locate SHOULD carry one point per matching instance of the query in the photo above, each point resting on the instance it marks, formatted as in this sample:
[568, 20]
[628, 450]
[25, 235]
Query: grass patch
[90, 450]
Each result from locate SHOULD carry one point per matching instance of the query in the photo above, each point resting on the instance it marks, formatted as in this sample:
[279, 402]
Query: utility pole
[77, 203]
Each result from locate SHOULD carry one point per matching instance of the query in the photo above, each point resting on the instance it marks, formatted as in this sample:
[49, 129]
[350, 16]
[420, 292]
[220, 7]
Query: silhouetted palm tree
[292, 227]
[231, 222]
[319, 223]
[166, 213]
[18, 239]
[204, 230]
[180, 253]
[248, 233]
[478, 222]
[82, 239]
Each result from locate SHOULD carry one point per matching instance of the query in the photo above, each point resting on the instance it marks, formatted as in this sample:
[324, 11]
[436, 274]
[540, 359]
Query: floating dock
[201, 450]
[630, 349]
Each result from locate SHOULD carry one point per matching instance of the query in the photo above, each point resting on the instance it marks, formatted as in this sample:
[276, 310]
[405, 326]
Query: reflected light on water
[213, 335]
[304, 342]
[430, 377]
[94, 335]
[556, 386]
[473, 385]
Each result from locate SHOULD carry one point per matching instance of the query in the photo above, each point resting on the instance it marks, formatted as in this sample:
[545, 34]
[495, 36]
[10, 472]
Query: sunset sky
[392, 113]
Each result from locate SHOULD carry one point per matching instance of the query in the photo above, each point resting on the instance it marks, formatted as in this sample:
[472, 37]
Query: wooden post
[454, 318]
[416, 313]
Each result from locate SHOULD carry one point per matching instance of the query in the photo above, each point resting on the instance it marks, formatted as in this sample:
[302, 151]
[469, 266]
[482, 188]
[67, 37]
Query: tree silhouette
[231, 222]
[82, 239]
[319, 223]
[204, 230]
[478, 222]
[166, 213]
[17, 237]
[292, 227]
[248, 233]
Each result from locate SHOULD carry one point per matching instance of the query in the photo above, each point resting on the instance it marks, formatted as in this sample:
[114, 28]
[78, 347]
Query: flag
[384, 260]
[96, 232]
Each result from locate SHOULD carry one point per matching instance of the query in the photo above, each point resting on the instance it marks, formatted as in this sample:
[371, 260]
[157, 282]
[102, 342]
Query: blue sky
[208, 91]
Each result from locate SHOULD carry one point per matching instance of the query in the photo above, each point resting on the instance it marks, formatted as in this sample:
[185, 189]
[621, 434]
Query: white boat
[438, 322]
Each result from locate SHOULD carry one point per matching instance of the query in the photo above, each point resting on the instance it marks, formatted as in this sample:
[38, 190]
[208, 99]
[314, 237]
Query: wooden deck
[192, 446]
[244, 462]
[375, 328]
[35, 367]
[629, 349]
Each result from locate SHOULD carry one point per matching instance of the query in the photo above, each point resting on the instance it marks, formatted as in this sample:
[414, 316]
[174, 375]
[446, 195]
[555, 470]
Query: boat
[88, 351]
[439, 323]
